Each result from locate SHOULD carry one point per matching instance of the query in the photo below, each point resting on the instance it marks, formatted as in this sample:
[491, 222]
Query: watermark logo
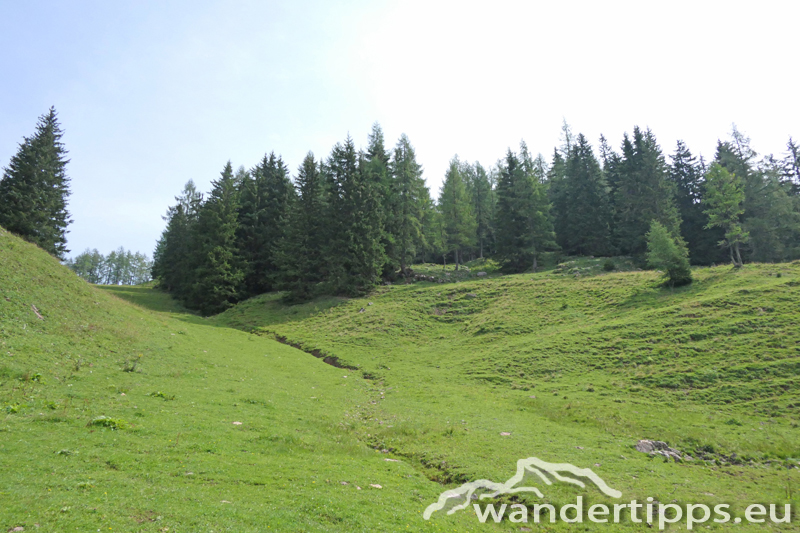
[531, 468]
[533, 472]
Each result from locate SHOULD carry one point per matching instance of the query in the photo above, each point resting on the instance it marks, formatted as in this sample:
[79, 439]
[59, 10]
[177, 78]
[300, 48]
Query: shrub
[609, 266]
[108, 422]
[669, 254]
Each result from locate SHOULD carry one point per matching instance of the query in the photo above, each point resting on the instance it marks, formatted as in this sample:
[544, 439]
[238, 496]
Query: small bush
[666, 253]
[609, 265]
[131, 364]
[160, 394]
[108, 422]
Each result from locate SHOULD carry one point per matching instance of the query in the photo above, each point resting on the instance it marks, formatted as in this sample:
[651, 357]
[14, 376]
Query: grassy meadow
[121, 411]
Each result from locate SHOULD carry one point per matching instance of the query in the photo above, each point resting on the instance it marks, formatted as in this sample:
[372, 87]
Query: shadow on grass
[250, 315]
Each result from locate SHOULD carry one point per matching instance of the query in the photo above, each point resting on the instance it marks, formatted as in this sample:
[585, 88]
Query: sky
[151, 94]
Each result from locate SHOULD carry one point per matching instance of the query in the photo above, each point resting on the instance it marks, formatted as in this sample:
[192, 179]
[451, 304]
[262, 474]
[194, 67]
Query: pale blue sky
[151, 94]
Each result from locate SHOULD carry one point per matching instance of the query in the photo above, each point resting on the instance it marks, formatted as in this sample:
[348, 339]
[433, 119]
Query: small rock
[579, 447]
[361, 310]
[358, 488]
[370, 303]
[532, 397]
[597, 464]
[375, 486]
[18, 528]
[505, 434]
[344, 482]
[122, 394]
[224, 501]
[237, 423]
[472, 295]
[481, 274]
[392, 460]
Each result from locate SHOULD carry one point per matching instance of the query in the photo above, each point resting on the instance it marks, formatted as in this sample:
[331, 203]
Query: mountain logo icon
[530, 472]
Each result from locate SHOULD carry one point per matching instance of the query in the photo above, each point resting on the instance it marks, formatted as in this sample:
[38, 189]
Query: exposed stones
[657, 447]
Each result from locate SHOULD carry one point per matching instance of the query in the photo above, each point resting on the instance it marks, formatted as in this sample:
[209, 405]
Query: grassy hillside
[114, 417]
[576, 369]
[123, 412]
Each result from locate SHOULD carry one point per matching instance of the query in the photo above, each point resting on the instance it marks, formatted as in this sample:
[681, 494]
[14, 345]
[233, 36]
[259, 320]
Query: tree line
[120, 267]
[356, 217]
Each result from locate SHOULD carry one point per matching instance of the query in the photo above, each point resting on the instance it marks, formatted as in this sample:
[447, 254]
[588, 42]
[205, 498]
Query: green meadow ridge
[122, 411]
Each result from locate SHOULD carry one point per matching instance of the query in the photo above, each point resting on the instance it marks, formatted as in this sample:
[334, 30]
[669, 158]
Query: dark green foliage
[454, 204]
[687, 175]
[35, 187]
[266, 196]
[643, 193]
[173, 264]
[354, 252]
[791, 166]
[523, 226]
[668, 254]
[302, 260]
[410, 198]
[377, 169]
[480, 190]
[583, 210]
[770, 209]
[218, 273]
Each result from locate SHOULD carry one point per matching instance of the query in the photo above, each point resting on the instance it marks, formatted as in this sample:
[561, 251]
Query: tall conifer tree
[459, 222]
[218, 274]
[266, 195]
[355, 252]
[301, 259]
[523, 226]
[644, 193]
[35, 187]
[409, 202]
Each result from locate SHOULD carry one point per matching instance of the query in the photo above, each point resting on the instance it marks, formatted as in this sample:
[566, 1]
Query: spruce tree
[458, 220]
[173, 260]
[583, 215]
[354, 249]
[791, 166]
[644, 193]
[482, 208]
[770, 214]
[523, 226]
[687, 175]
[377, 169]
[301, 259]
[266, 196]
[35, 187]
[409, 198]
[218, 274]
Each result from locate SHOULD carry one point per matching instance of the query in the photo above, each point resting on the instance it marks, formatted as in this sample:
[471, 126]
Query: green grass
[118, 408]
[167, 453]
[578, 369]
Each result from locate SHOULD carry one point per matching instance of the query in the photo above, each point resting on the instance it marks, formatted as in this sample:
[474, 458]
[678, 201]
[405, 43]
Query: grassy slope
[577, 369]
[181, 464]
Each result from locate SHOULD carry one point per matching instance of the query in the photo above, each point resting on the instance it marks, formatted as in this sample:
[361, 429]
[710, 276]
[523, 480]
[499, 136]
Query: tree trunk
[481, 248]
[738, 257]
[455, 256]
